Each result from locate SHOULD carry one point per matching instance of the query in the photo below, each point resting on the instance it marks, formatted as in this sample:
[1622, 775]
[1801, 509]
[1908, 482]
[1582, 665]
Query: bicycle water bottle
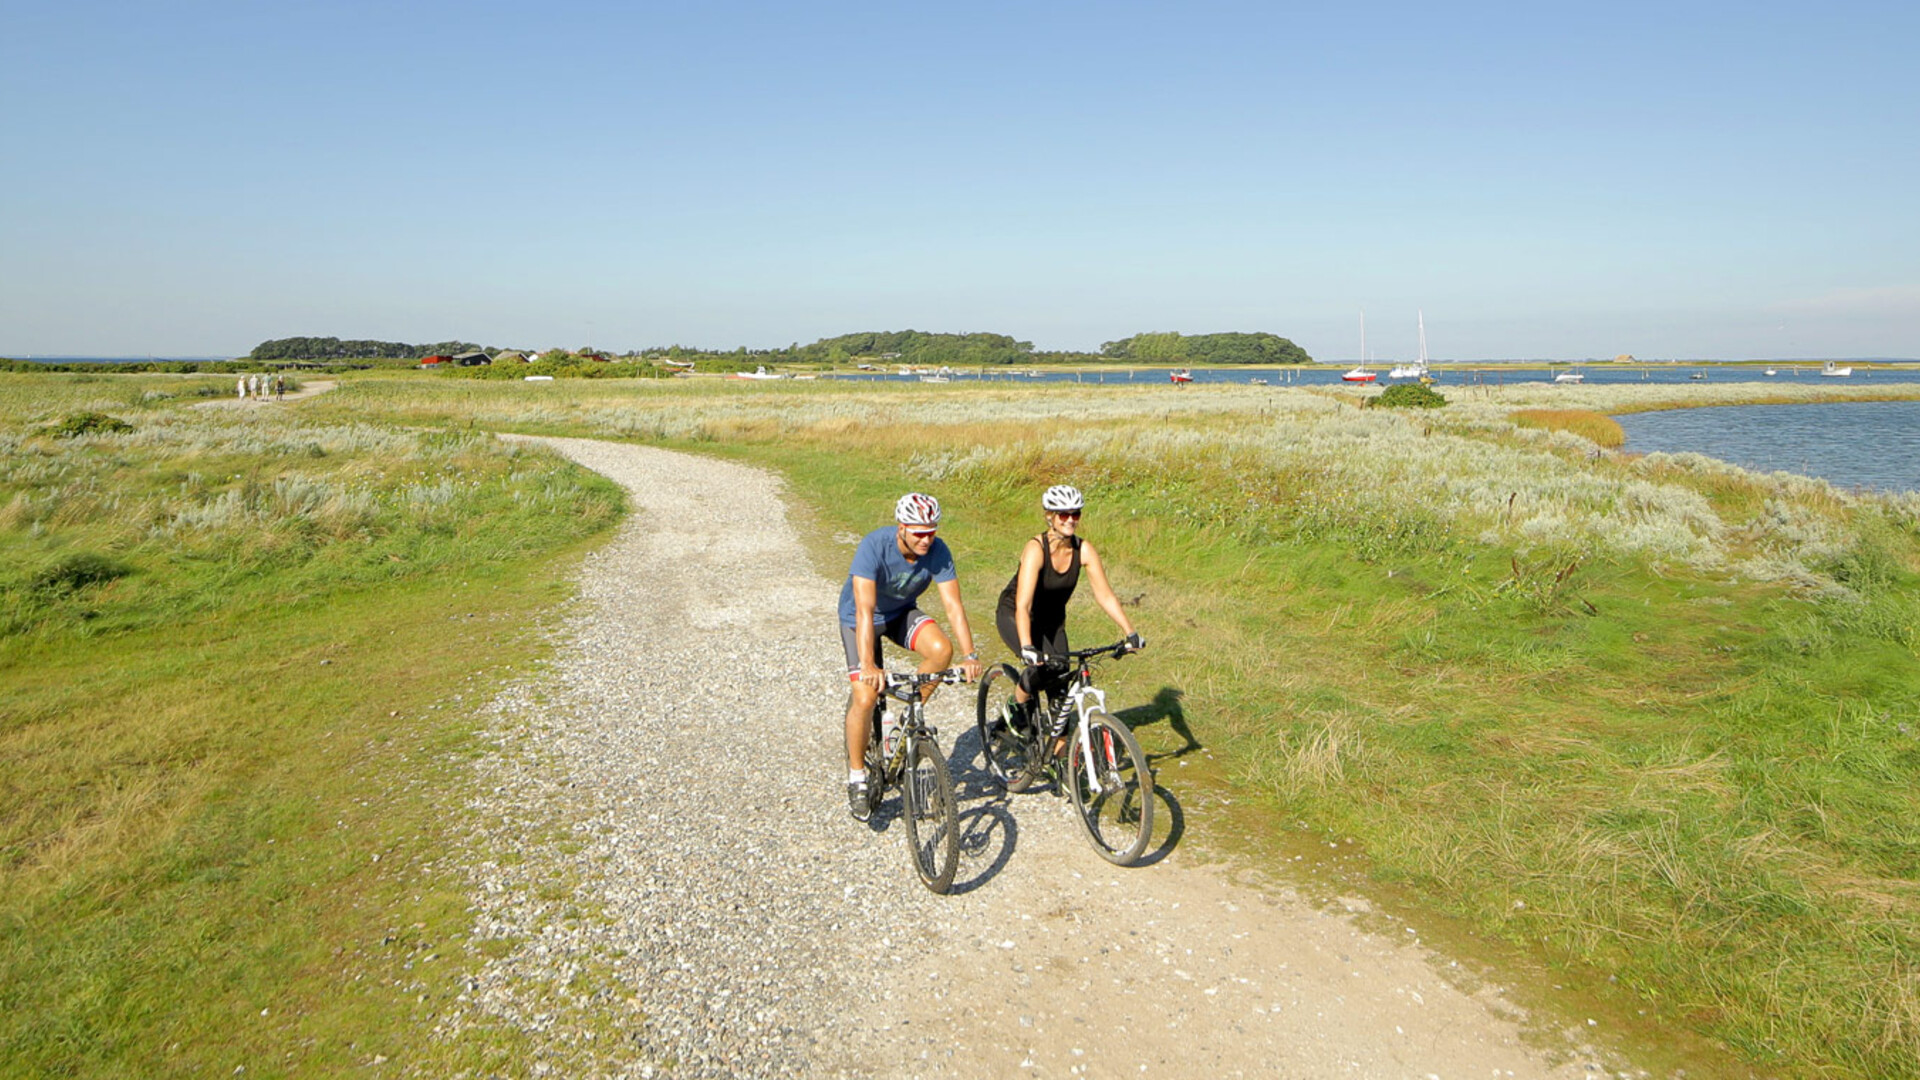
[889, 726]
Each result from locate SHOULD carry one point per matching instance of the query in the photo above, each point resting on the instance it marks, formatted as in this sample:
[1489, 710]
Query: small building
[472, 359]
[510, 357]
[436, 360]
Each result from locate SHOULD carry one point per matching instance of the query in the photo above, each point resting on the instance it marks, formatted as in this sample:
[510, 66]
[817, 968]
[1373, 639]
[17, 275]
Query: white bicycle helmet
[917, 509]
[1062, 497]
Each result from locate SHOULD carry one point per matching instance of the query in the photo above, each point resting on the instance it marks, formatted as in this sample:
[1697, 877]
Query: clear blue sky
[1670, 180]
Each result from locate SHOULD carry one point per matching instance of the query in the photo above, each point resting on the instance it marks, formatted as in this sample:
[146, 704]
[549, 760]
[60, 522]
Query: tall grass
[1597, 428]
[1650, 719]
[1647, 718]
[227, 641]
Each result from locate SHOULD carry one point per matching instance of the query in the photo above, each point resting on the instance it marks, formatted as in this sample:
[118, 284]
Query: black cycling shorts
[902, 629]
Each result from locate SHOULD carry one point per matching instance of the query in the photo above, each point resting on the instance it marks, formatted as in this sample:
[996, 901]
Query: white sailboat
[1417, 369]
[1360, 373]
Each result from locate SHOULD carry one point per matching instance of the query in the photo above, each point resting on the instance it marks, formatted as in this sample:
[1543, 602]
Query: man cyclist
[891, 568]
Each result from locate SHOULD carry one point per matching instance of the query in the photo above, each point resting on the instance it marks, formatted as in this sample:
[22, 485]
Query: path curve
[702, 906]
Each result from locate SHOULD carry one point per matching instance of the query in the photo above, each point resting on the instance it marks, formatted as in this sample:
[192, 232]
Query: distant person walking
[243, 388]
[279, 387]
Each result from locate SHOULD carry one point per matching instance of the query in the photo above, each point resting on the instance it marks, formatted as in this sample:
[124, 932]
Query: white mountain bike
[1106, 773]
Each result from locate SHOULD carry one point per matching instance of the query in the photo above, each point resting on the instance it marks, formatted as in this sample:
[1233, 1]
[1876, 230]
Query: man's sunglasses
[921, 534]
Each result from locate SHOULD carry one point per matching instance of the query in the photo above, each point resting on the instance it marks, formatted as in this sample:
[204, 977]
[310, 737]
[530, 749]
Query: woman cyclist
[1032, 617]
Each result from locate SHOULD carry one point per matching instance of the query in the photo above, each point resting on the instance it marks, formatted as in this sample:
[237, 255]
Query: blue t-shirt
[897, 583]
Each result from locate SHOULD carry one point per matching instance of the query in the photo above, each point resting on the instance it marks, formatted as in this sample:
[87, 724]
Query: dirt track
[688, 741]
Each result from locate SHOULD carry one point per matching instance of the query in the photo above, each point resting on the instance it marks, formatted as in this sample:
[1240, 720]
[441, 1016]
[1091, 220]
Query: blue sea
[116, 359]
[1864, 444]
[1490, 374]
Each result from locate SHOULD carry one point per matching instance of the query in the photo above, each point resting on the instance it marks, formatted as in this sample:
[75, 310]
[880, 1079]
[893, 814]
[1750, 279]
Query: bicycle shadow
[1164, 706]
[988, 832]
[1176, 818]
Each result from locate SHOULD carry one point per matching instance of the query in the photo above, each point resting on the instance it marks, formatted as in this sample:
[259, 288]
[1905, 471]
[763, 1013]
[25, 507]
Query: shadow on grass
[1164, 706]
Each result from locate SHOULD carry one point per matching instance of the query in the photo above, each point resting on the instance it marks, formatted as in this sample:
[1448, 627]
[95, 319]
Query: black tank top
[1050, 593]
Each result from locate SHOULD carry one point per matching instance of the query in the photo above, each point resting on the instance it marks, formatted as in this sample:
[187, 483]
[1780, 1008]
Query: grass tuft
[1598, 428]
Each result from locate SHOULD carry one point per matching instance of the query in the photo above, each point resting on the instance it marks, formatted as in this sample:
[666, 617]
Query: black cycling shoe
[859, 802]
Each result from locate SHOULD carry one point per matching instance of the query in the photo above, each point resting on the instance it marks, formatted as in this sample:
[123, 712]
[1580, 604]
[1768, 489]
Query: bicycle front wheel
[927, 807]
[1008, 754]
[1114, 791]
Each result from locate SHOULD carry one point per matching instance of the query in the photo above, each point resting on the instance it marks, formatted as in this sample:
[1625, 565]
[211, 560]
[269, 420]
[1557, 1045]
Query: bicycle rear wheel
[927, 807]
[1007, 753]
[1114, 792]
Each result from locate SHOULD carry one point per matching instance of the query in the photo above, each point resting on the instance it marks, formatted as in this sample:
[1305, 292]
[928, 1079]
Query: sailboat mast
[1363, 338]
[1423, 339]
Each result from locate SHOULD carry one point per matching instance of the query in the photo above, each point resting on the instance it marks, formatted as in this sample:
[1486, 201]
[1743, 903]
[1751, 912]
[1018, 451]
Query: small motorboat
[1359, 374]
[1832, 371]
[1180, 376]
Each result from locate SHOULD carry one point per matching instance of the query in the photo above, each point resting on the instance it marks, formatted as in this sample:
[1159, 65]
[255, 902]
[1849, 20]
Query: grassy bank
[240, 656]
[1650, 720]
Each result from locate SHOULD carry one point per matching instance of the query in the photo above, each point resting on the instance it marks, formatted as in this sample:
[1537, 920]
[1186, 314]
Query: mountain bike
[1106, 773]
[903, 752]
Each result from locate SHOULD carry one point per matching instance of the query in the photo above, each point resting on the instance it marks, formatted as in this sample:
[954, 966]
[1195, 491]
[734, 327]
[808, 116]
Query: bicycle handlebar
[1116, 650]
[913, 680]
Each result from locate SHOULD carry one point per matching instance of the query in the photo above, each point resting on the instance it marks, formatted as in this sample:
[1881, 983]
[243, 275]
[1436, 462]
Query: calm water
[1491, 375]
[1873, 444]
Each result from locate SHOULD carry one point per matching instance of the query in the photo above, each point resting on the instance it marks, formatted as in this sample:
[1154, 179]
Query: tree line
[916, 347]
[332, 348]
[1265, 350]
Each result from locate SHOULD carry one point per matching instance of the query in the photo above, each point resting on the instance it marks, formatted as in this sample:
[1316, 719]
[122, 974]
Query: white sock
[856, 776]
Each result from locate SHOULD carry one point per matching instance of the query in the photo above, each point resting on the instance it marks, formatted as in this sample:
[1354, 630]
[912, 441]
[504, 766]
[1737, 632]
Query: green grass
[240, 680]
[1650, 722]
[1678, 779]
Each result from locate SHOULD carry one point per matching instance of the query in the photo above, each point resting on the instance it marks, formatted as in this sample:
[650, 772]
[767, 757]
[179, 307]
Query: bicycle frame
[1080, 690]
[905, 687]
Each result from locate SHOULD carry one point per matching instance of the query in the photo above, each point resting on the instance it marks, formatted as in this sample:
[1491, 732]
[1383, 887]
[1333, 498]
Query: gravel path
[674, 888]
[308, 389]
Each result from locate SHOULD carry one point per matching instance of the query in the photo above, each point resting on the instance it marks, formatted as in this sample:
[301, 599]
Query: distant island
[332, 348]
[910, 347]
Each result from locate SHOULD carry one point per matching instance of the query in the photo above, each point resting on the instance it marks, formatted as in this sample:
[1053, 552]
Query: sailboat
[1417, 369]
[1360, 373]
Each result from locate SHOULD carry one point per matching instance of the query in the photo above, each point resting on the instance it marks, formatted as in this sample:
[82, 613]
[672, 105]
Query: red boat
[1181, 376]
[1359, 374]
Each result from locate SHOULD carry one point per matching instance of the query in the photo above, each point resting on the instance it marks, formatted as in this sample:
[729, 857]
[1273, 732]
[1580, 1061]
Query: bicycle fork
[1091, 766]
